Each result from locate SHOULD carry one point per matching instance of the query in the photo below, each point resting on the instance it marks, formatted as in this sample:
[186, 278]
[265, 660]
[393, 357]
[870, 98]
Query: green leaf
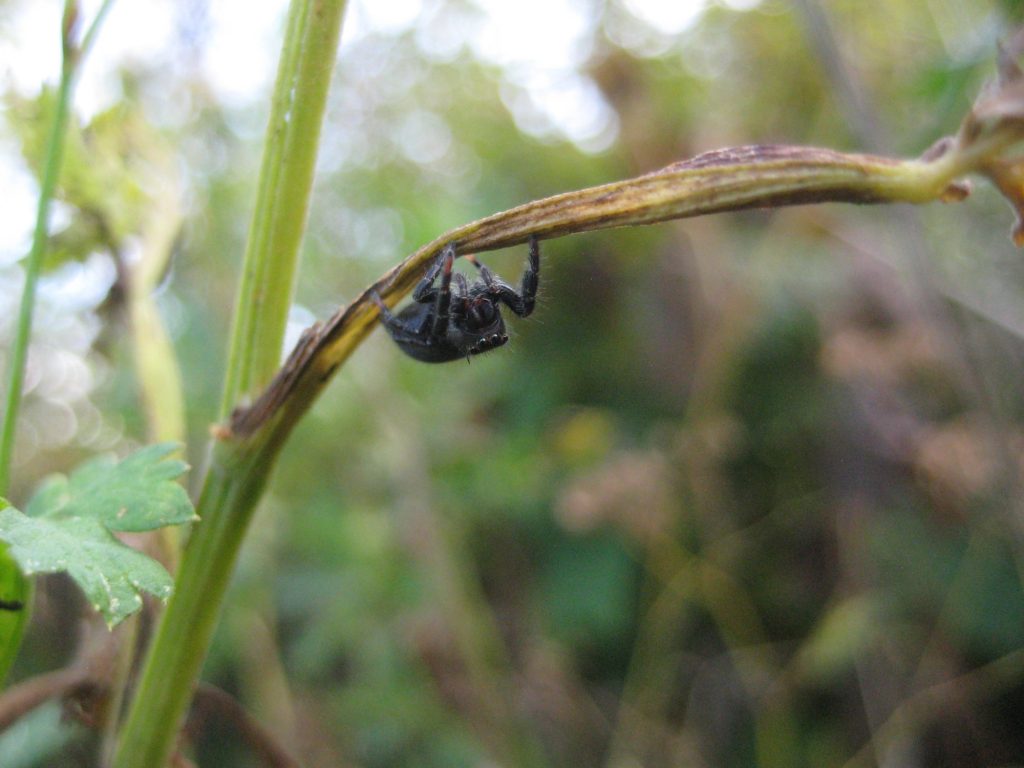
[69, 525]
[14, 597]
[111, 574]
[133, 495]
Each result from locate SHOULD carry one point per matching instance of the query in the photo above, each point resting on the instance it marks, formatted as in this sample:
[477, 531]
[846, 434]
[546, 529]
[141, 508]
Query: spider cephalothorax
[448, 322]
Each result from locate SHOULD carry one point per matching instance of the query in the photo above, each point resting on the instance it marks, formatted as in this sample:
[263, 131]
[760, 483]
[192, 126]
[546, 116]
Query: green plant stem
[90, 34]
[282, 199]
[52, 162]
[19, 349]
[238, 472]
[18, 584]
[232, 488]
[158, 374]
[73, 55]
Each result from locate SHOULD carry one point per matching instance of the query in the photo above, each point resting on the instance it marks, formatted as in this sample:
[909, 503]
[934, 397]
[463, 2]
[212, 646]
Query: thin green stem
[53, 160]
[33, 267]
[90, 34]
[73, 55]
[238, 473]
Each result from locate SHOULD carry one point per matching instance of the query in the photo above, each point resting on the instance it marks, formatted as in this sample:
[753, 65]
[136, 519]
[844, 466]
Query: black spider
[449, 322]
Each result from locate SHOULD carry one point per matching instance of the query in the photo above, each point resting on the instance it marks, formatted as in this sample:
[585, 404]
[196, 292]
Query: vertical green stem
[229, 496]
[73, 53]
[282, 201]
[19, 349]
[238, 471]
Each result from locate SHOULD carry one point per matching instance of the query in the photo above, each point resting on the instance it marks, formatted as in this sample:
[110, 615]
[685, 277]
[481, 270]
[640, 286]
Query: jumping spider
[449, 322]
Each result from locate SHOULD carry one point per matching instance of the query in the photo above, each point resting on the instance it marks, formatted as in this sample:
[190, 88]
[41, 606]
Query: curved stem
[714, 182]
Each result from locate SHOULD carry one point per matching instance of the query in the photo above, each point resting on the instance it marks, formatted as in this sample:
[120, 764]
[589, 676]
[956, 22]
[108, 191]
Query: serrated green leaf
[14, 597]
[70, 523]
[133, 495]
[111, 574]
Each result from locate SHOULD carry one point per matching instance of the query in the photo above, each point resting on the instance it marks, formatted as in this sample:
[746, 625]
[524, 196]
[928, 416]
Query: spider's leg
[530, 280]
[444, 293]
[398, 329]
[498, 288]
[460, 300]
[425, 292]
[521, 303]
[386, 315]
[460, 293]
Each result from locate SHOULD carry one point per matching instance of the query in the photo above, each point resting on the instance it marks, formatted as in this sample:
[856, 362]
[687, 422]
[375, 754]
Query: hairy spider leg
[531, 278]
[425, 291]
[521, 303]
[396, 328]
[460, 296]
[444, 293]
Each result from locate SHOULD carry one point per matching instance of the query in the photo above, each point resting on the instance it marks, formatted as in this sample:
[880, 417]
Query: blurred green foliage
[743, 490]
[112, 169]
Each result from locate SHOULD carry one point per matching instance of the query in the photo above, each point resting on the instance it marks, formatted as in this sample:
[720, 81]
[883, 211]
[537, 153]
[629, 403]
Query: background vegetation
[743, 490]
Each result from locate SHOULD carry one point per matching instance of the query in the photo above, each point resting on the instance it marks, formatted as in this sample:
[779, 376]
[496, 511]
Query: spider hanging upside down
[449, 322]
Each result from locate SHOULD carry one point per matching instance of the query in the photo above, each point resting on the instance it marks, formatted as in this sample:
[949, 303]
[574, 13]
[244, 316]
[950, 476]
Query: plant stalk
[73, 53]
[282, 201]
[232, 488]
[238, 473]
[34, 264]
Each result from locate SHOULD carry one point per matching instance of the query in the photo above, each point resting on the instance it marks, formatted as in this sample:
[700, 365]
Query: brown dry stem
[760, 176]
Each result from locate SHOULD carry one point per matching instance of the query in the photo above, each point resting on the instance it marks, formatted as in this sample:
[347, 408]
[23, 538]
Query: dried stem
[724, 180]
